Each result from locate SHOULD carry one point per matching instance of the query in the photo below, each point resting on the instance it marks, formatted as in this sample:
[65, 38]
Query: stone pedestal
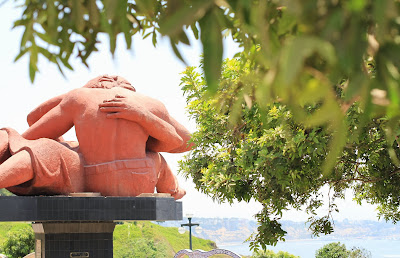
[82, 226]
[74, 239]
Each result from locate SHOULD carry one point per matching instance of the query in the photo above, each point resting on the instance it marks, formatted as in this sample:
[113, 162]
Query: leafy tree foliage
[337, 250]
[267, 155]
[322, 79]
[301, 48]
[58, 30]
[332, 250]
[356, 252]
[272, 254]
[19, 243]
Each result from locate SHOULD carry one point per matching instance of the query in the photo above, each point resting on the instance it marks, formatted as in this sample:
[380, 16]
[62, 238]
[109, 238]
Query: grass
[162, 241]
[137, 239]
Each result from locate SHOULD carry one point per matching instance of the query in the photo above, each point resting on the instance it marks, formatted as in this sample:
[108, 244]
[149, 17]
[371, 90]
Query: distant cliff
[227, 230]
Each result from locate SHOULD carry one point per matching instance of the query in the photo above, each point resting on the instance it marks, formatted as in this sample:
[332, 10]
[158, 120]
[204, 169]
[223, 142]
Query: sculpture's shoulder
[82, 95]
[78, 94]
[153, 104]
[75, 99]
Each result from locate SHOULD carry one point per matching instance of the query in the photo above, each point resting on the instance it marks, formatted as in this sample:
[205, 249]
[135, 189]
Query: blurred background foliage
[336, 249]
[315, 101]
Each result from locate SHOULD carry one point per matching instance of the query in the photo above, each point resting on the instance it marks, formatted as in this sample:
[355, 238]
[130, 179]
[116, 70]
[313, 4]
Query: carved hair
[108, 82]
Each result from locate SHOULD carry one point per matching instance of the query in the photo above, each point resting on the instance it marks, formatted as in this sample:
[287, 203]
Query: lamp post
[198, 229]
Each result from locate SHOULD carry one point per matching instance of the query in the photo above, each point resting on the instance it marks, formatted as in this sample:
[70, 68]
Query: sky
[154, 72]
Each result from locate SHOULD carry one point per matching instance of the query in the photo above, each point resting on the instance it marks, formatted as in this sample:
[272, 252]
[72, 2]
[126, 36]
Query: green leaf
[302, 47]
[44, 37]
[286, 22]
[382, 12]
[28, 34]
[356, 5]
[47, 54]
[185, 15]
[312, 92]
[195, 30]
[21, 53]
[147, 34]
[124, 24]
[336, 145]
[113, 42]
[183, 38]
[33, 63]
[52, 18]
[110, 30]
[154, 38]
[211, 38]
[78, 11]
[21, 22]
[110, 7]
[392, 83]
[146, 6]
[66, 63]
[60, 68]
[176, 50]
[94, 13]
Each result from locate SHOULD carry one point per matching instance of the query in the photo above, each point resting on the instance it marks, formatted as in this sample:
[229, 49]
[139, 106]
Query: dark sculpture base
[74, 239]
[82, 226]
[65, 208]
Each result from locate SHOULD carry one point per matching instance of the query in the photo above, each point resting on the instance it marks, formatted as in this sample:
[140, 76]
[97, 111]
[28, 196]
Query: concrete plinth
[65, 208]
[82, 226]
[74, 239]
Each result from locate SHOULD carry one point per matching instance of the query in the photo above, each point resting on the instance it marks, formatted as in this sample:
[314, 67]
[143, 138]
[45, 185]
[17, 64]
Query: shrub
[19, 243]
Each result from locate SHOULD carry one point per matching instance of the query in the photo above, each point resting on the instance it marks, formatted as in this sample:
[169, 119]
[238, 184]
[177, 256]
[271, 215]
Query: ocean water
[307, 248]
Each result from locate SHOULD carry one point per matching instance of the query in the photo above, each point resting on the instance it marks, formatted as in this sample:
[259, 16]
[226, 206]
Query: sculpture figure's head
[108, 82]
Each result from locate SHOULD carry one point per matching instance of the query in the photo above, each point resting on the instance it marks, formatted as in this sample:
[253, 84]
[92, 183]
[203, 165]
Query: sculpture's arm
[52, 124]
[153, 143]
[130, 109]
[167, 182]
[43, 108]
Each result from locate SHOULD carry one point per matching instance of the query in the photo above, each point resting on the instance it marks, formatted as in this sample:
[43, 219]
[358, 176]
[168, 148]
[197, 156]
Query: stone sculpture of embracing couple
[120, 135]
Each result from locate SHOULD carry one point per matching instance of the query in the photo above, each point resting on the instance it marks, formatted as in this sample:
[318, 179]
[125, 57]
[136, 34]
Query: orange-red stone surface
[120, 134]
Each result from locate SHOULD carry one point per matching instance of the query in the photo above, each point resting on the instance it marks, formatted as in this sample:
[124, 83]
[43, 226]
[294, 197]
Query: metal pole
[190, 233]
